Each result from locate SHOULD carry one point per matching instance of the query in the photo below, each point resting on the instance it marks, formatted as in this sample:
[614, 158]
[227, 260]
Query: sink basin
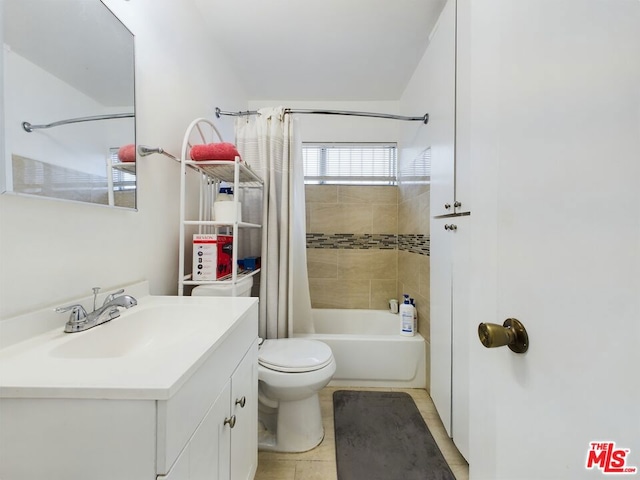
[146, 353]
[136, 331]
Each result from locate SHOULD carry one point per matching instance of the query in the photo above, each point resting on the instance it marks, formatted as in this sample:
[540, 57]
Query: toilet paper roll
[227, 211]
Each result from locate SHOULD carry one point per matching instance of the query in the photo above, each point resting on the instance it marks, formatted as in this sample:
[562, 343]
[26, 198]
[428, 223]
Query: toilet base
[298, 427]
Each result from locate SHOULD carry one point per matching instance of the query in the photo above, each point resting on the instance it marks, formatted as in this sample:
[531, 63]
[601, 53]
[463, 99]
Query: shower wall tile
[322, 263]
[385, 218]
[409, 271]
[424, 280]
[329, 293]
[381, 292]
[367, 264]
[365, 248]
[413, 215]
[337, 218]
[354, 265]
[413, 257]
[384, 264]
[357, 218]
[368, 194]
[321, 193]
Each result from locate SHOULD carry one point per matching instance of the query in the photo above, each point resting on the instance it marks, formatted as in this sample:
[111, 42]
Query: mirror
[69, 102]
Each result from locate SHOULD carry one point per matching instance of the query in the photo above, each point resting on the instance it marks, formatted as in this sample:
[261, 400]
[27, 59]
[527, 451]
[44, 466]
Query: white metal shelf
[224, 281]
[129, 167]
[212, 173]
[224, 170]
[214, 223]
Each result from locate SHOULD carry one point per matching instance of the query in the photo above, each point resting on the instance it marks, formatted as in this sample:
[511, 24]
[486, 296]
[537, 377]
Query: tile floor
[320, 463]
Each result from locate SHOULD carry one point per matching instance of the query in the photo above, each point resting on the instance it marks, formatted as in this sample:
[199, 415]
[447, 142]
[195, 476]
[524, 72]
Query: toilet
[291, 372]
[243, 289]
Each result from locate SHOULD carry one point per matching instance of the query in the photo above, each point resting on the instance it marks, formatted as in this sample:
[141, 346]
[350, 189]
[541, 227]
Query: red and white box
[212, 256]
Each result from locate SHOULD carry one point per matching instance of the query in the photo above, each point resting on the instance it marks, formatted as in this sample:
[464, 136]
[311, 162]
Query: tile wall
[413, 257]
[352, 250]
[367, 244]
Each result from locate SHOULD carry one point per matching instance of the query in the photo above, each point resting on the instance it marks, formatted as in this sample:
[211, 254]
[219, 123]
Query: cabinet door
[441, 298]
[461, 331]
[244, 405]
[450, 327]
[180, 469]
[441, 60]
[209, 447]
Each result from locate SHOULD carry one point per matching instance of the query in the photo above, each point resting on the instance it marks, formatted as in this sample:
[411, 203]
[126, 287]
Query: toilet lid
[294, 355]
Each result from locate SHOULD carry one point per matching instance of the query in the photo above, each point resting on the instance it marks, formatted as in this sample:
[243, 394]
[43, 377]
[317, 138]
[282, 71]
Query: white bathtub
[369, 350]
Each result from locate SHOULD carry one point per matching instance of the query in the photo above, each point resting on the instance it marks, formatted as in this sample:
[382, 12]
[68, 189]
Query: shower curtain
[270, 144]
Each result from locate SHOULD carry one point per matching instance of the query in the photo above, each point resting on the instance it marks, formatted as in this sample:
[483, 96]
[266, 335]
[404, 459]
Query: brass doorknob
[511, 333]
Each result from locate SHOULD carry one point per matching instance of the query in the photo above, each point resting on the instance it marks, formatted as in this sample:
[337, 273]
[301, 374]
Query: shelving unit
[127, 167]
[212, 173]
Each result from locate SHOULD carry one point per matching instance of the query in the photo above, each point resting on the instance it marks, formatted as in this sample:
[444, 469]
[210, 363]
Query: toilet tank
[243, 289]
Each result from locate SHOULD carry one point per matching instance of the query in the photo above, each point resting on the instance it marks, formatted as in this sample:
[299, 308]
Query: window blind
[350, 163]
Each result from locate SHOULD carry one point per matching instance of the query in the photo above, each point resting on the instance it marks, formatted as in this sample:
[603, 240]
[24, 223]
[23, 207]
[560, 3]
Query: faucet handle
[95, 296]
[111, 296]
[78, 313]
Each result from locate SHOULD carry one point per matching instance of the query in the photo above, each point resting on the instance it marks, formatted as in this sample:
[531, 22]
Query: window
[418, 170]
[350, 163]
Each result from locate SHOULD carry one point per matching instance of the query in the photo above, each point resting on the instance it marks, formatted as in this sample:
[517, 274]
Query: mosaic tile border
[413, 243]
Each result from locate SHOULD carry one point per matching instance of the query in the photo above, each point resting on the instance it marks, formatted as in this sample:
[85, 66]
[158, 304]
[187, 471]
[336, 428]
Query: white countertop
[146, 353]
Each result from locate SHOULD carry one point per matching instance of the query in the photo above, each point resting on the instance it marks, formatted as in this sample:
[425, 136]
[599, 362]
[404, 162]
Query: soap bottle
[406, 318]
[225, 194]
[415, 315]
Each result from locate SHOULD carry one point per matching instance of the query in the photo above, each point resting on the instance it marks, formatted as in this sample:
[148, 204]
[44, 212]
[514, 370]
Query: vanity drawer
[179, 417]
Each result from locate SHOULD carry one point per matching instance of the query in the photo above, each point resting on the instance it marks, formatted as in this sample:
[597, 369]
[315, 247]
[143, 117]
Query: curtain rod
[424, 119]
[30, 128]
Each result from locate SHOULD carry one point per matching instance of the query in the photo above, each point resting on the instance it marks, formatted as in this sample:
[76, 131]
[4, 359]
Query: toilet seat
[294, 355]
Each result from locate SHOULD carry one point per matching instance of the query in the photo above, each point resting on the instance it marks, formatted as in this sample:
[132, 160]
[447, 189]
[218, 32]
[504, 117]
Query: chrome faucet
[80, 320]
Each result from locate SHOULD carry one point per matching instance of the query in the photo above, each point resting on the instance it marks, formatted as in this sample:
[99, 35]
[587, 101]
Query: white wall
[52, 251]
[2, 170]
[424, 94]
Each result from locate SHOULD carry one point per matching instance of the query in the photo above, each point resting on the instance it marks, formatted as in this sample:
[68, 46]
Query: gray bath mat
[382, 436]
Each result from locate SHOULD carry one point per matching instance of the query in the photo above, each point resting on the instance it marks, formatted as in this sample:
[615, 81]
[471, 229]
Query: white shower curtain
[270, 144]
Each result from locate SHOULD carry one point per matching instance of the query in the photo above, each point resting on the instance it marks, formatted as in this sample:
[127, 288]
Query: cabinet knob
[452, 226]
[241, 401]
[457, 204]
[447, 206]
[231, 421]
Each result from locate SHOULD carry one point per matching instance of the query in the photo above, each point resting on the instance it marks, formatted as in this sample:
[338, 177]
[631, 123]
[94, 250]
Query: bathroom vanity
[168, 390]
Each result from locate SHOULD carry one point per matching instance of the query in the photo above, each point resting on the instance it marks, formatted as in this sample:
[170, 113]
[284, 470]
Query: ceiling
[322, 49]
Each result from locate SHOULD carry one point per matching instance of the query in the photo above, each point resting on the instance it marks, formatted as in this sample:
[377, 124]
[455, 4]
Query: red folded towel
[127, 153]
[214, 151]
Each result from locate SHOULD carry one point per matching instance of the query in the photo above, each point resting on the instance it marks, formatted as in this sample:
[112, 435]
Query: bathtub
[369, 350]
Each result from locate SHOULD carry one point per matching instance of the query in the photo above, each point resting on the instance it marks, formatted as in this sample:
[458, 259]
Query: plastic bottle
[224, 208]
[225, 194]
[406, 318]
[415, 315]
